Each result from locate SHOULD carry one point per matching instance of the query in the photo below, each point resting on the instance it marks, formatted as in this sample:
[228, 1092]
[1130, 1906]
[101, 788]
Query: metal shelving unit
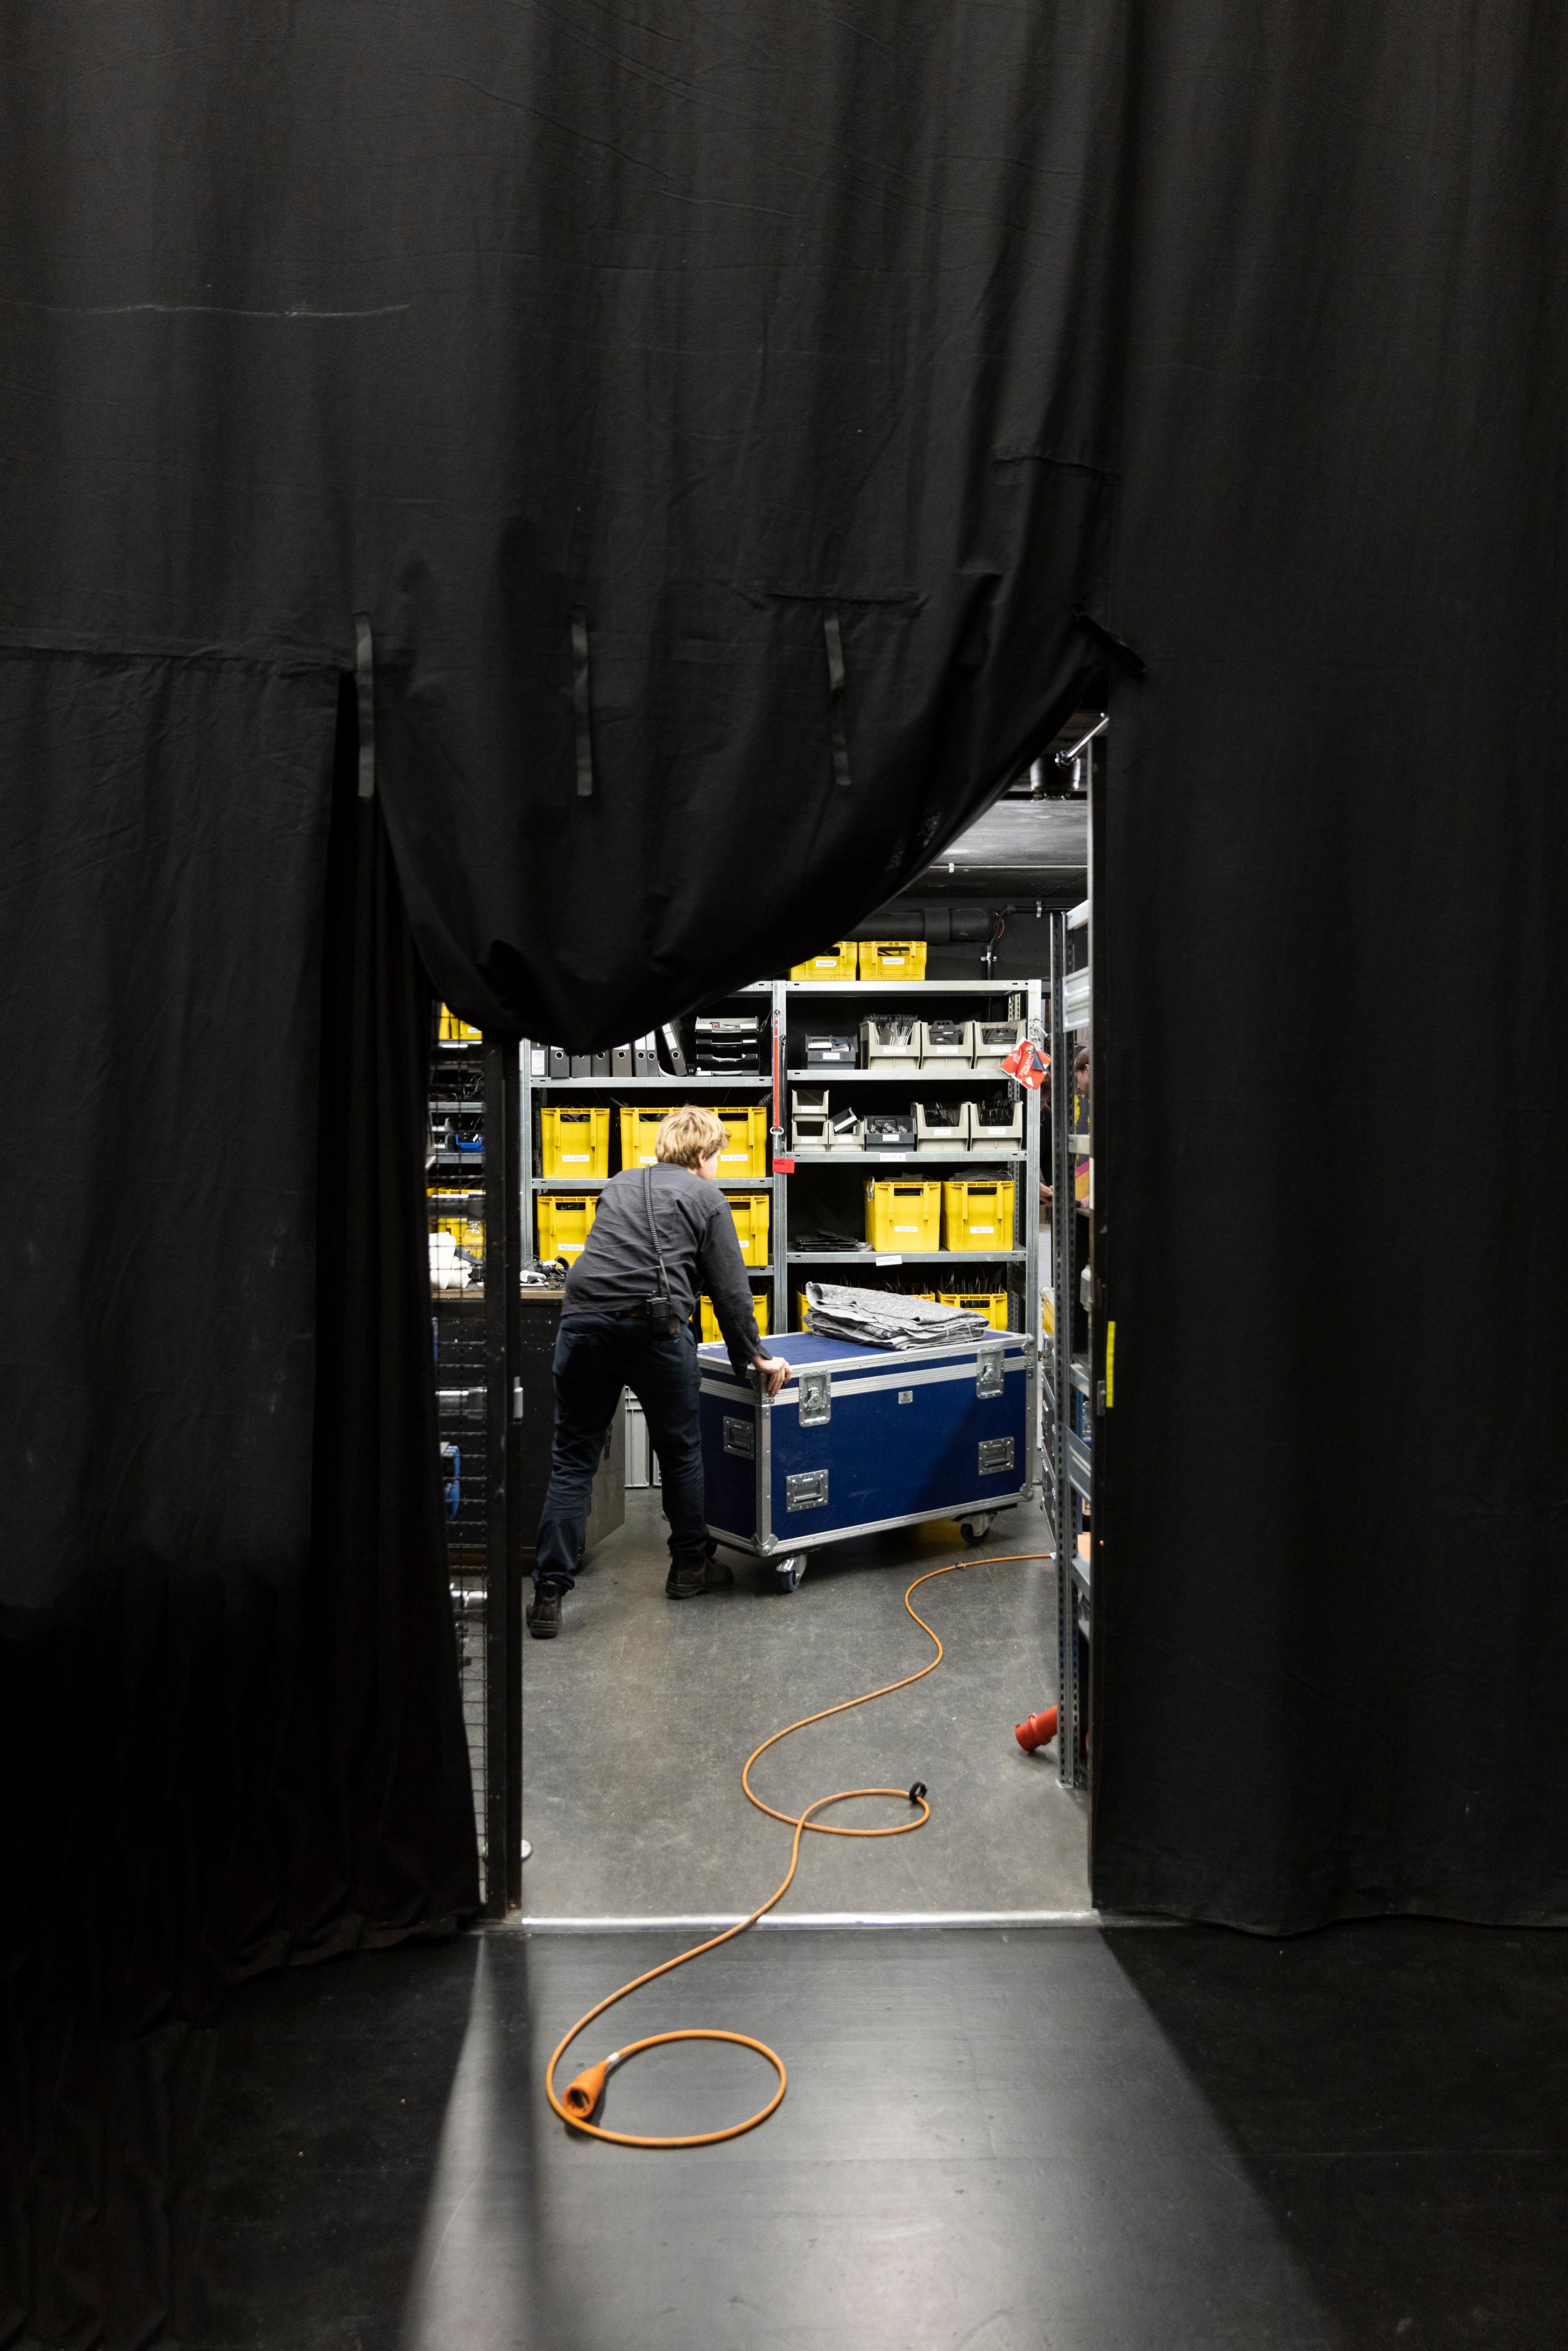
[1074, 1398]
[1018, 999]
[1014, 1000]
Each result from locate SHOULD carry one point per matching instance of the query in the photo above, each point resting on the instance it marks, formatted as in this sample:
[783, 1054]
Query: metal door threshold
[681, 1923]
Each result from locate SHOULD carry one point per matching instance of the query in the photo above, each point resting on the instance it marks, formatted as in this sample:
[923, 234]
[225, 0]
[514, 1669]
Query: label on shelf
[890, 1260]
[783, 1166]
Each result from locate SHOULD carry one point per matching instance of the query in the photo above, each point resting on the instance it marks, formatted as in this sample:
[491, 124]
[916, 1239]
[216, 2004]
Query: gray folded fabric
[885, 1318]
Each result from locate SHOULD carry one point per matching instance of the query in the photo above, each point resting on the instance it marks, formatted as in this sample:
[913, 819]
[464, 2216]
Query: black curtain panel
[230, 1705]
[706, 405]
[1334, 1625]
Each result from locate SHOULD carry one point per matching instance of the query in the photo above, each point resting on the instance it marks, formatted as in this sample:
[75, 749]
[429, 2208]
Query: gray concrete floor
[636, 1722]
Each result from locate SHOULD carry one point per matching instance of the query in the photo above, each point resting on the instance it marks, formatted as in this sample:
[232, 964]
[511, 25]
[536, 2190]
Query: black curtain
[229, 1719]
[1334, 1617]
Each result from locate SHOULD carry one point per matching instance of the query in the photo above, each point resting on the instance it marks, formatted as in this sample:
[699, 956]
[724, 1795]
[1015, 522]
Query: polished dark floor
[1124, 2140]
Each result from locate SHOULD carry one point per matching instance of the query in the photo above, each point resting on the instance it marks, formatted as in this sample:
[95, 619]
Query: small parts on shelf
[934, 1129]
[831, 1049]
[994, 1040]
[889, 1041]
[946, 1045]
[995, 1123]
[941, 1126]
[726, 1043]
[888, 1131]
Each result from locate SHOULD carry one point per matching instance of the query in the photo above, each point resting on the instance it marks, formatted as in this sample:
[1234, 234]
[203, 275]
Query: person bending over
[614, 1335]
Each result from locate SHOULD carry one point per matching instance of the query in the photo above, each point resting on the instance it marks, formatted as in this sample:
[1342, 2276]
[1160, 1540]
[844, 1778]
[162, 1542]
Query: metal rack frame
[1072, 1456]
[1028, 997]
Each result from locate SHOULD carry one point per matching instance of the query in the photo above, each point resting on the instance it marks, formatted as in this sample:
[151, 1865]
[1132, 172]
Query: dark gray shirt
[702, 1252]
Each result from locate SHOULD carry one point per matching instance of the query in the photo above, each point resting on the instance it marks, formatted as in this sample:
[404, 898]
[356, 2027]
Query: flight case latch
[989, 1373]
[816, 1398]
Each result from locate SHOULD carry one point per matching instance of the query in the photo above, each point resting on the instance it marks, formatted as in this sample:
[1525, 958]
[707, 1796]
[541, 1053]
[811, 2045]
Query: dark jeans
[597, 1355]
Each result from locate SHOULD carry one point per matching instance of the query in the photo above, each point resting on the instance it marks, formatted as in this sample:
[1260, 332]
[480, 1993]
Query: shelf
[907, 1256]
[827, 1074]
[755, 1080]
[868, 987]
[804, 1159]
[597, 1183]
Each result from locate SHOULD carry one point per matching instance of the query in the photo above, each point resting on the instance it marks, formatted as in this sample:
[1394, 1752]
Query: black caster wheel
[974, 1530]
[786, 1572]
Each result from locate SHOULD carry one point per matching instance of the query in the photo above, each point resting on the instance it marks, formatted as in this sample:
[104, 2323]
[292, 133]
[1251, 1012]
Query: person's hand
[1045, 1195]
[774, 1370]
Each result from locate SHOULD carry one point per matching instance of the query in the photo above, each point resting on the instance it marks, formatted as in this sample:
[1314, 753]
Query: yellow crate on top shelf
[837, 963]
[991, 1303]
[903, 1218]
[575, 1142]
[710, 1319]
[893, 959]
[565, 1221]
[745, 1147]
[639, 1133]
[753, 1213]
[451, 1029]
[978, 1217]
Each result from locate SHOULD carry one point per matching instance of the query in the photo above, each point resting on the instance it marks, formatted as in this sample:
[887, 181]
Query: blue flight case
[861, 1438]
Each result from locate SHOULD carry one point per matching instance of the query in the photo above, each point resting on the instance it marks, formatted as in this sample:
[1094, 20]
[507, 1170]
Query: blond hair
[688, 1136]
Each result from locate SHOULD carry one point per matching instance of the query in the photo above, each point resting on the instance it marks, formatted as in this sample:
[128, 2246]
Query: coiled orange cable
[581, 2095]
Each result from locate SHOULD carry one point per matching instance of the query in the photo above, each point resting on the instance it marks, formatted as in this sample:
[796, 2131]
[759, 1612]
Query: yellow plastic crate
[903, 1218]
[451, 1029]
[978, 1217]
[710, 1319]
[566, 1219]
[893, 959]
[745, 1150]
[838, 962]
[638, 1133]
[752, 1212]
[575, 1142]
[991, 1303]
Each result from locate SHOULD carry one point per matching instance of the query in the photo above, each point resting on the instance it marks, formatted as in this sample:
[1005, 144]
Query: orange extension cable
[583, 2094]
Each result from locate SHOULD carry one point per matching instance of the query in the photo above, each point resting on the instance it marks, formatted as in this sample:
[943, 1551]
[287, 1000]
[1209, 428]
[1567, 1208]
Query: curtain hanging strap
[365, 695]
[835, 636]
[581, 703]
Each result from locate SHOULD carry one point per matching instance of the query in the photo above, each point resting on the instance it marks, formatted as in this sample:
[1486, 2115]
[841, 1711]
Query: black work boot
[543, 1619]
[688, 1577]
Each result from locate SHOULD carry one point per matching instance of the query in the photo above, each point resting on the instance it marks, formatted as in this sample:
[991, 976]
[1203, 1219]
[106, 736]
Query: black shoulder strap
[653, 1229]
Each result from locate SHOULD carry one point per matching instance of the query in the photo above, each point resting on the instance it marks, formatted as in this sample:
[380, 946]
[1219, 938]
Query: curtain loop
[581, 703]
[834, 635]
[365, 696]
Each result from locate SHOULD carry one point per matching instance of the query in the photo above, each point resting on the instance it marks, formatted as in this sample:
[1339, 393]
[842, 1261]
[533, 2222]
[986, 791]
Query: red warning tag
[1028, 1064]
